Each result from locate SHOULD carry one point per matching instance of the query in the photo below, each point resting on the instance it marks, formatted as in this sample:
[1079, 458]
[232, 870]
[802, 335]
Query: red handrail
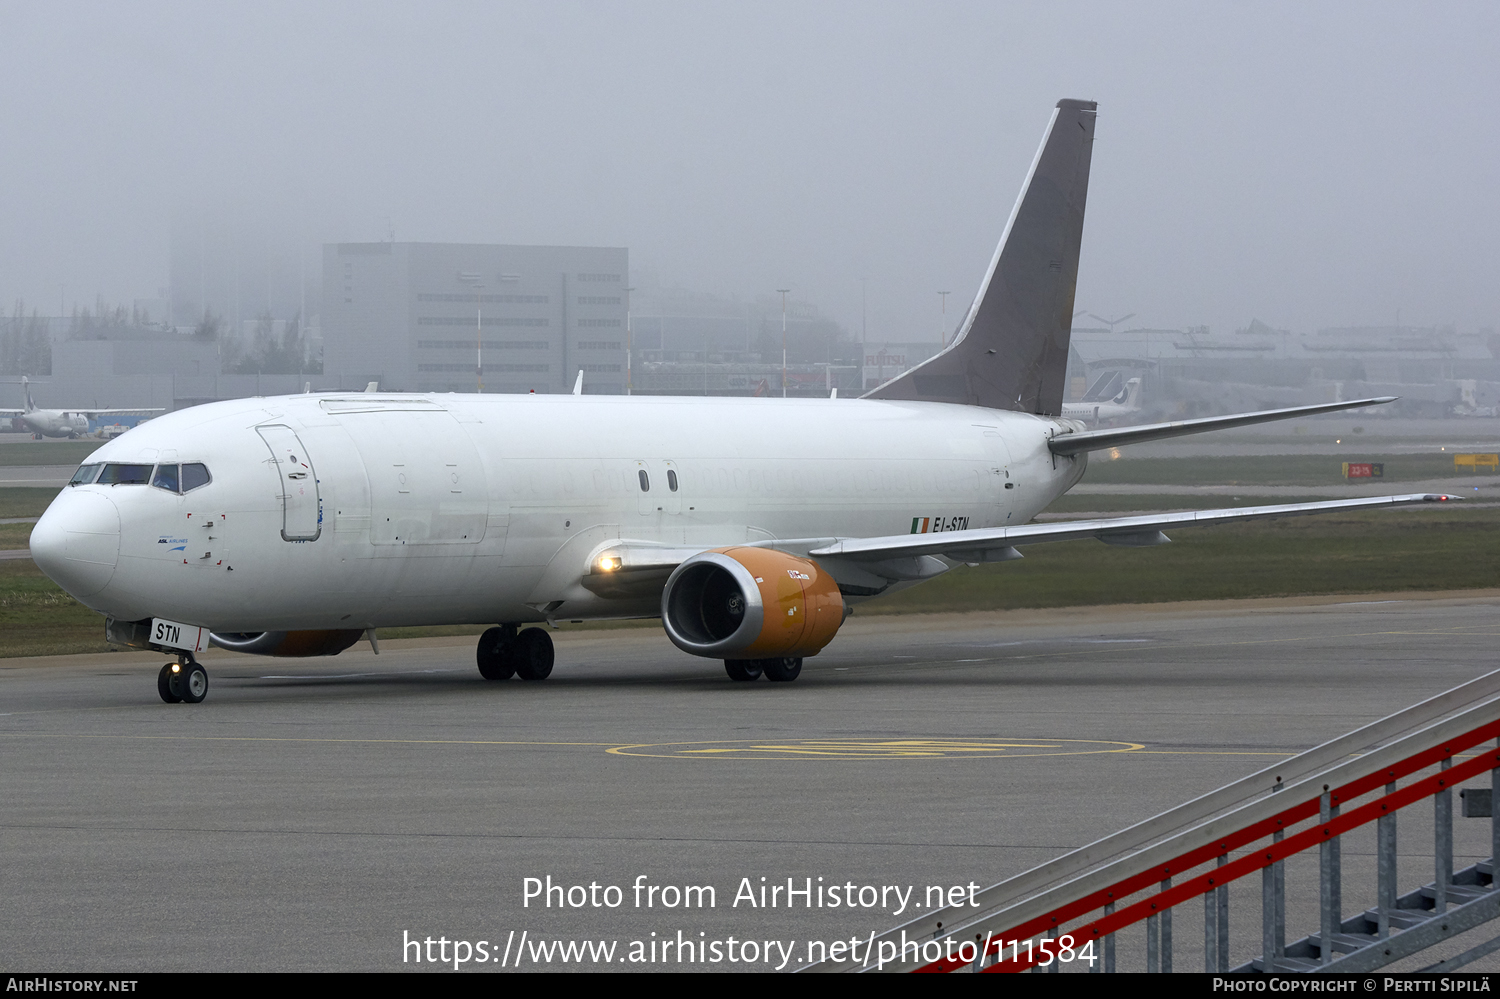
[1167, 898]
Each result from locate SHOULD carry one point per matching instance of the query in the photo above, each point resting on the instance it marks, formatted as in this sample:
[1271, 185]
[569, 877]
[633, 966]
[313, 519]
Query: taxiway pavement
[317, 814]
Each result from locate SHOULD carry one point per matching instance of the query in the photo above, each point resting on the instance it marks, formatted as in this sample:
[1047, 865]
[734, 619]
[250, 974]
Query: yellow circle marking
[874, 749]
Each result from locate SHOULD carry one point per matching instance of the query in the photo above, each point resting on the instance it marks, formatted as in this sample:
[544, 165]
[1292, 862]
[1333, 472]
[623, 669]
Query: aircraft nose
[77, 542]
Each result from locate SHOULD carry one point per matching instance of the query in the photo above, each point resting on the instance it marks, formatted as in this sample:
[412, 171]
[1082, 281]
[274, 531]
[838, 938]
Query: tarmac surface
[320, 814]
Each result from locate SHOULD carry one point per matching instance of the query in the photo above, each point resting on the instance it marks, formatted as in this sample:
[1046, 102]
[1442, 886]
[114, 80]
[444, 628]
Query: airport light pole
[783, 293]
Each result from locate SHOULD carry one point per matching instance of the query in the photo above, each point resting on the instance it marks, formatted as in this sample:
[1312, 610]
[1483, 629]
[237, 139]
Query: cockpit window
[125, 475]
[84, 475]
[166, 477]
[194, 475]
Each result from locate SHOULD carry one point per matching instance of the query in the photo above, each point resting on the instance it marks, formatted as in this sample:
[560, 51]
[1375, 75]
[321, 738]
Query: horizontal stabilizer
[1130, 531]
[1099, 440]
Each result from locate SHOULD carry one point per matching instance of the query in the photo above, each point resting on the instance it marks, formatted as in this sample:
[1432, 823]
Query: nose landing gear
[184, 680]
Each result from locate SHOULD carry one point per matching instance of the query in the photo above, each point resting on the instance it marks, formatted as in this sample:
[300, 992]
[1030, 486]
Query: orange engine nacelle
[290, 644]
[751, 603]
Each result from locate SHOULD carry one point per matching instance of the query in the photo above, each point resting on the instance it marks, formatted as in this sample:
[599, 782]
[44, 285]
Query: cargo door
[301, 506]
[427, 484]
[997, 487]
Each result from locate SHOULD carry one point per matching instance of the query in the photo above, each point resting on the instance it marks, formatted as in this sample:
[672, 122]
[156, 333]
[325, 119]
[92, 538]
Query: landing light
[610, 563]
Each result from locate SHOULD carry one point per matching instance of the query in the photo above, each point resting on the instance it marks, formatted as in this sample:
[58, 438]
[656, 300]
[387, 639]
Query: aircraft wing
[114, 412]
[991, 544]
[11, 412]
[635, 570]
[1098, 440]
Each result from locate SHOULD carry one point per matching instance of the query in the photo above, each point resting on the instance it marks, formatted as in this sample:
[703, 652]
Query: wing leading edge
[628, 570]
[990, 544]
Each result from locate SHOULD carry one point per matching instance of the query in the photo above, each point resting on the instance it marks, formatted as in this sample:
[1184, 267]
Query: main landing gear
[183, 680]
[504, 652]
[783, 670]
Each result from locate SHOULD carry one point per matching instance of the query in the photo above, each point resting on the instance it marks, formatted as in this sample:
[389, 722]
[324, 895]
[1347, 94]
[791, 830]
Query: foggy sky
[1310, 165]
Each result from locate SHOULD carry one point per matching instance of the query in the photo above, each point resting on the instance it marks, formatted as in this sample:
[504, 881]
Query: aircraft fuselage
[417, 510]
[52, 423]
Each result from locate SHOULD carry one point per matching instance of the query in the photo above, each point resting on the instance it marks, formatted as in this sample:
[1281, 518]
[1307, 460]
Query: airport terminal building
[421, 317]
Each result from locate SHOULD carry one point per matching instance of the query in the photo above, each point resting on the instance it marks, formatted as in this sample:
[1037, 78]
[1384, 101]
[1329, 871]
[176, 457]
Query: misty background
[1333, 165]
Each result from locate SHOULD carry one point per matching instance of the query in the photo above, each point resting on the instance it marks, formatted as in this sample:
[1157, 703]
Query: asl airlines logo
[934, 525]
[180, 543]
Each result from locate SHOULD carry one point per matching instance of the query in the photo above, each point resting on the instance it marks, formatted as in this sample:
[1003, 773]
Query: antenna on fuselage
[578, 383]
[373, 387]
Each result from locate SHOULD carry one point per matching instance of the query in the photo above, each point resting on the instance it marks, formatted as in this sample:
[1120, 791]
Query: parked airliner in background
[58, 422]
[291, 526]
[1112, 397]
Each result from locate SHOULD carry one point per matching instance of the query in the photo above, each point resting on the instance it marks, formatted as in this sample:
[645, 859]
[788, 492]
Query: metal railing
[1076, 904]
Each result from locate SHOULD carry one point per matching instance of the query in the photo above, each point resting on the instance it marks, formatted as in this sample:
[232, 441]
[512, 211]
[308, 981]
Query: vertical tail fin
[26, 384]
[1011, 351]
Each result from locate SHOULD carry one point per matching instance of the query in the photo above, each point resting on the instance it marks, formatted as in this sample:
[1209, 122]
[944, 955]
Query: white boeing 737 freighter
[291, 526]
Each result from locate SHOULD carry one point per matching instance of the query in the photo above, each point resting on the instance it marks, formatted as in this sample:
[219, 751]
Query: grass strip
[15, 536]
[1270, 470]
[1129, 503]
[25, 501]
[1366, 552]
[47, 452]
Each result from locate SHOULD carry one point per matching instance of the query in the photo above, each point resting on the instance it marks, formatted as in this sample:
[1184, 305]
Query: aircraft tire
[495, 655]
[742, 669]
[781, 670]
[164, 685]
[192, 683]
[532, 654]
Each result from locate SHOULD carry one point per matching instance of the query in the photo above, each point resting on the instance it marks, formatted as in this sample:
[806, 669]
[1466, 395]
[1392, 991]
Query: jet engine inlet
[287, 644]
[747, 603]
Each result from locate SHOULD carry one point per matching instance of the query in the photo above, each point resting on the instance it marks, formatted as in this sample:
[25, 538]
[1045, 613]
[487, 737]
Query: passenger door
[302, 507]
